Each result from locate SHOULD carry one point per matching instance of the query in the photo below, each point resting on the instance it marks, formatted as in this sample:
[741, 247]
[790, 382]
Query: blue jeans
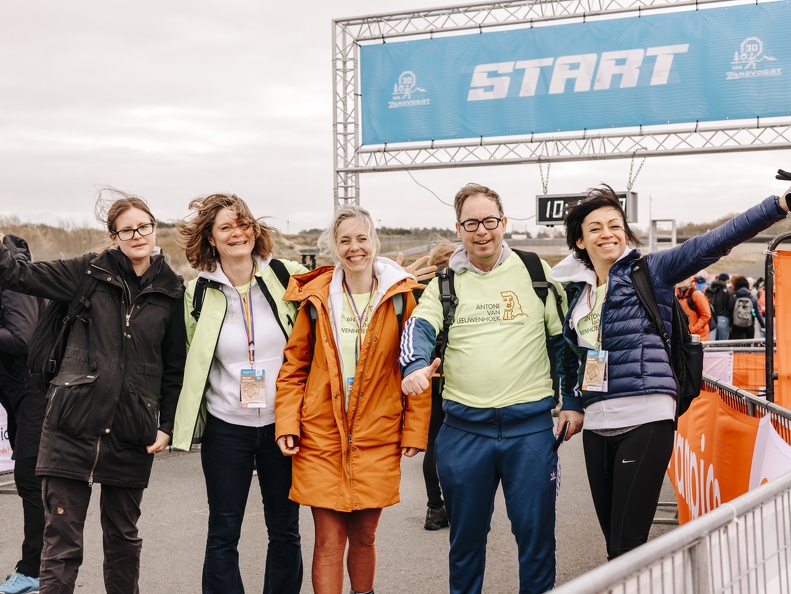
[228, 454]
[470, 469]
[723, 327]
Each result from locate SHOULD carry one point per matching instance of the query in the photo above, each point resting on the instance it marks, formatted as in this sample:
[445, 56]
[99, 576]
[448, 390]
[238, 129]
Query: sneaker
[436, 518]
[19, 584]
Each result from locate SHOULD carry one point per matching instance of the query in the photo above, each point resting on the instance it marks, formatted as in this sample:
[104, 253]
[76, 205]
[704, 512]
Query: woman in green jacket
[227, 402]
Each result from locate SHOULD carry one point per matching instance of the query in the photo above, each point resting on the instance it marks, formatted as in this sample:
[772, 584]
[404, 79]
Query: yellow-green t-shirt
[349, 335]
[588, 327]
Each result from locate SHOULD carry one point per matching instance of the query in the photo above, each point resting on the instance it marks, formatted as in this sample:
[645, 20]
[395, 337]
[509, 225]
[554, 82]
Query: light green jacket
[202, 339]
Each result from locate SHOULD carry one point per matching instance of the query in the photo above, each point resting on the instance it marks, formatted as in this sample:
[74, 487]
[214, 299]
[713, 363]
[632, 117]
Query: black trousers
[433, 491]
[625, 473]
[65, 507]
[28, 486]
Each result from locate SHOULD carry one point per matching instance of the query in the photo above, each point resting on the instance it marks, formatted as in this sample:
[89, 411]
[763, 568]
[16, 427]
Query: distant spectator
[760, 294]
[698, 320]
[436, 515]
[702, 280]
[741, 289]
[721, 297]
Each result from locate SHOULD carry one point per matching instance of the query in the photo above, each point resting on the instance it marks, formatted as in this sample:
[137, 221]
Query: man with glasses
[498, 396]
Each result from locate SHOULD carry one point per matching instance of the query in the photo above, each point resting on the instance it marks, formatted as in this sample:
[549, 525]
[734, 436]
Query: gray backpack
[743, 312]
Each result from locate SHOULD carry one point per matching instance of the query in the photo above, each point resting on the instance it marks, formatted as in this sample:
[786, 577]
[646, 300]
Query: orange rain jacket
[348, 460]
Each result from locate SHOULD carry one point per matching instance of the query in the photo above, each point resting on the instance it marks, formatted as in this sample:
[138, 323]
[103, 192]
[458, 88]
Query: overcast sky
[172, 99]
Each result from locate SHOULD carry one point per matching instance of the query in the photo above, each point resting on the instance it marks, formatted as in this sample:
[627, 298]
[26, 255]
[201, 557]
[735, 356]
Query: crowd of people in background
[727, 307]
[321, 381]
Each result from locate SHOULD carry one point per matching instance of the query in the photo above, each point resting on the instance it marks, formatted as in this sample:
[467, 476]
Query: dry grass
[51, 243]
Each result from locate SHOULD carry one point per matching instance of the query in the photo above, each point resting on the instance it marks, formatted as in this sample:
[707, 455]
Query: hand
[409, 452]
[418, 381]
[424, 273]
[575, 420]
[785, 203]
[163, 439]
[288, 444]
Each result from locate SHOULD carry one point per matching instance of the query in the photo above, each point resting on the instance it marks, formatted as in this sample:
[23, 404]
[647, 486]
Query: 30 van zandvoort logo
[750, 60]
[403, 92]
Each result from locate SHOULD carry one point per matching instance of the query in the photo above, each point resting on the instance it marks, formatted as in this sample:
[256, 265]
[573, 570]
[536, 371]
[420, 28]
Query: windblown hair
[195, 231]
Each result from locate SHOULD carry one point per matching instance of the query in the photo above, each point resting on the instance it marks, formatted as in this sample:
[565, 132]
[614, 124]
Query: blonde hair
[328, 240]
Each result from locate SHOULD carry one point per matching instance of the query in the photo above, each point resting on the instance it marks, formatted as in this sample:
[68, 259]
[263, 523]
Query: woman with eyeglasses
[110, 407]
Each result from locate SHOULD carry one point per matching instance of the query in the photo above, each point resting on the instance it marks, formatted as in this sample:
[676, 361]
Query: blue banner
[707, 65]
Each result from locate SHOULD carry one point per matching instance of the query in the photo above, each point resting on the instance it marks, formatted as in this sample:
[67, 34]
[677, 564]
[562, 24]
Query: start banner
[711, 64]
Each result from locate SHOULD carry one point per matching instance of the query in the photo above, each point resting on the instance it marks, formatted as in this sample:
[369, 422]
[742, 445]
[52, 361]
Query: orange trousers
[333, 530]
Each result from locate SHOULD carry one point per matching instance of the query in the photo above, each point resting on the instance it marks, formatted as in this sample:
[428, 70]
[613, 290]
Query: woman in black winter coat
[111, 405]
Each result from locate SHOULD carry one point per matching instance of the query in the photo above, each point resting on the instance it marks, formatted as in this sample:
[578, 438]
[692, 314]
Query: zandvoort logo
[406, 93]
[750, 60]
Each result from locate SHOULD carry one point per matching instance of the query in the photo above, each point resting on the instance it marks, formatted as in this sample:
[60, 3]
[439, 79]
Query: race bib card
[252, 391]
[595, 378]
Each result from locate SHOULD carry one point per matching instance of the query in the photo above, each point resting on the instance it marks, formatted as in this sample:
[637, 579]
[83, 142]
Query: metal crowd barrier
[742, 547]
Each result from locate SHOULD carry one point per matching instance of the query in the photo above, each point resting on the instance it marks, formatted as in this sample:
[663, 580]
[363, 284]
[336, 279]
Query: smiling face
[232, 239]
[483, 245]
[356, 248]
[603, 237]
[139, 248]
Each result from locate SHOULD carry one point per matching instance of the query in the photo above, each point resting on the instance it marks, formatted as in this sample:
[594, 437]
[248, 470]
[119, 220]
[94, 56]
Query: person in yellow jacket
[339, 410]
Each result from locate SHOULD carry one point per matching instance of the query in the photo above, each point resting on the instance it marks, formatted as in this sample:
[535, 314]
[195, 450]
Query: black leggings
[625, 473]
[433, 491]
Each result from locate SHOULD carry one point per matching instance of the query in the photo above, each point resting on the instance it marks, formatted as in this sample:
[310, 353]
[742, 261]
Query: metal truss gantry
[352, 158]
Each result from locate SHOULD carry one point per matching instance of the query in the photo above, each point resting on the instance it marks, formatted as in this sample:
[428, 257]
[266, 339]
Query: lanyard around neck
[360, 317]
[247, 315]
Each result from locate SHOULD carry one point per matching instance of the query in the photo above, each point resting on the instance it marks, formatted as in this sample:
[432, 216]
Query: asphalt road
[410, 559]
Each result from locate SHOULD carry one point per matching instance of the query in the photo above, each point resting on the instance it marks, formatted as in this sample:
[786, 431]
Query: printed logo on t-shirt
[508, 311]
[512, 308]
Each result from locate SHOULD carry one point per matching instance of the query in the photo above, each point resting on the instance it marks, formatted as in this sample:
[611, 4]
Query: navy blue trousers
[229, 453]
[471, 468]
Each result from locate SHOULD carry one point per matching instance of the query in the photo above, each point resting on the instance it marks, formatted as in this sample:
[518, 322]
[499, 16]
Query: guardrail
[742, 547]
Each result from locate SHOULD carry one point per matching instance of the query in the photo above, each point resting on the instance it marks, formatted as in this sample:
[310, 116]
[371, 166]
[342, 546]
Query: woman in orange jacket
[339, 409]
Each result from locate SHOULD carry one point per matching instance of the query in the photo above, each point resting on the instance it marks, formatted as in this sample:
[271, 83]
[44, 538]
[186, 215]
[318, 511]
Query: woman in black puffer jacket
[111, 406]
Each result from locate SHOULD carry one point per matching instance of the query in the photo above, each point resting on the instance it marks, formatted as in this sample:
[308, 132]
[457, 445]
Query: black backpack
[693, 307]
[447, 296]
[686, 357]
[48, 343]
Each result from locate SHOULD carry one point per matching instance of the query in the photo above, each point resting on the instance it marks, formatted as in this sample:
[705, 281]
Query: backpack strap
[283, 276]
[645, 293]
[691, 302]
[540, 285]
[398, 305]
[447, 296]
[280, 270]
[77, 306]
[200, 294]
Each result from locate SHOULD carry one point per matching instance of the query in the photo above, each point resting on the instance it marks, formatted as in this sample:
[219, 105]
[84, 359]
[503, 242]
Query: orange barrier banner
[781, 261]
[712, 456]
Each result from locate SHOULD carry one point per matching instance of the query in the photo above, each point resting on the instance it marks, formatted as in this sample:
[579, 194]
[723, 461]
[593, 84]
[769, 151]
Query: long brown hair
[195, 231]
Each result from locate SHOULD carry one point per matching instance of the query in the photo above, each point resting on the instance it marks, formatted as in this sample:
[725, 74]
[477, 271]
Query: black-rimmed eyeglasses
[142, 231]
[471, 225]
